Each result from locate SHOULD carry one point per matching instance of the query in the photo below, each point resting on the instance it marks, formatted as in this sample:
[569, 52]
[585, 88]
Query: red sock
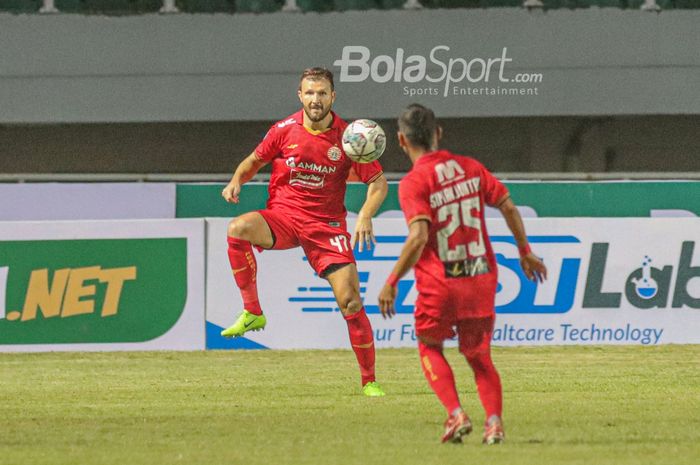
[439, 375]
[488, 383]
[362, 342]
[244, 266]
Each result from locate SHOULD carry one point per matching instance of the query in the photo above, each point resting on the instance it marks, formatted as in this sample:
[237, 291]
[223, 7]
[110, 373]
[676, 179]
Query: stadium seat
[392, 4]
[499, 3]
[69, 6]
[315, 5]
[20, 6]
[120, 7]
[578, 4]
[605, 3]
[206, 6]
[451, 3]
[258, 6]
[342, 5]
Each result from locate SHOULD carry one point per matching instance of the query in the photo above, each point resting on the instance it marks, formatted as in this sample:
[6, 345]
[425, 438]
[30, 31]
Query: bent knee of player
[430, 342]
[475, 354]
[239, 229]
[350, 305]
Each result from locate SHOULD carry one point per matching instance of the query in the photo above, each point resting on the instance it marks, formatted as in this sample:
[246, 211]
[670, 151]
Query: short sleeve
[414, 199]
[270, 146]
[493, 189]
[367, 172]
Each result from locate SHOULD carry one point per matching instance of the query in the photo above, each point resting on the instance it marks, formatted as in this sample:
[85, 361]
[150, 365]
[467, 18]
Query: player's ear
[299, 95]
[402, 140]
[438, 131]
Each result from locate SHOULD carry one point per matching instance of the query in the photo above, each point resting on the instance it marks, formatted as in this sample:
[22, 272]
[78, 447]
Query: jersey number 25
[460, 214]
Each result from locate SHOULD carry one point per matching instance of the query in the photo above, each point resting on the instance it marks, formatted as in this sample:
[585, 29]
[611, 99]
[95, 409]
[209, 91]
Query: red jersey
[309, 169]
[458, 264]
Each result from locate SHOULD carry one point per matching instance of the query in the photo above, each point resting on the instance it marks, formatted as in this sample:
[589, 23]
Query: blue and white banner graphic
[611, 281]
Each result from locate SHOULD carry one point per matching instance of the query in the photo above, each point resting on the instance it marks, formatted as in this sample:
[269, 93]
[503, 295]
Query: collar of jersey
[425, 157]
[316, 132]
[299, 117]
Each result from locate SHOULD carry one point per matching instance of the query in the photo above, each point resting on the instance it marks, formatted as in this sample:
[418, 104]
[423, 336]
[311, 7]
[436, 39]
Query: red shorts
[474, 333]
[324, 243]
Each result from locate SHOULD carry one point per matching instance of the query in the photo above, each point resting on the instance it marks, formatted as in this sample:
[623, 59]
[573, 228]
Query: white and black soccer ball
[364, 141]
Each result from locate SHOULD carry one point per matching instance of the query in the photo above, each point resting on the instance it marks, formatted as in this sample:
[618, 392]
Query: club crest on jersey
[334, 153]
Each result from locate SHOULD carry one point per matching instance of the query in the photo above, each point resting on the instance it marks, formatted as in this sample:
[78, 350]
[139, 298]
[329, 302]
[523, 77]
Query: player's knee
[351, 305]
[476, 356]
[238, 228]
[468, 350]
[430, 342]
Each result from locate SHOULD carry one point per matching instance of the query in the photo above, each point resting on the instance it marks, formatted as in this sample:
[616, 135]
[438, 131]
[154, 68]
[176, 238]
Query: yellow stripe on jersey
[316, 132]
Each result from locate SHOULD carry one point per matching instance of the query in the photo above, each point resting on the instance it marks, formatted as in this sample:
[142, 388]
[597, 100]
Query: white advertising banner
[86, 201]
[102, 285]
[611, 281]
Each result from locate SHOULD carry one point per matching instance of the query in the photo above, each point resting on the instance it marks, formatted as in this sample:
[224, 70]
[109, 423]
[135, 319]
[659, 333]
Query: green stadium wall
[547, 199]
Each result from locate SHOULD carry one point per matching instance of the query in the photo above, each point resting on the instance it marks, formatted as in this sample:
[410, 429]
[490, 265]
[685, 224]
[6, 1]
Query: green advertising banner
[91, 290]
[546, 199]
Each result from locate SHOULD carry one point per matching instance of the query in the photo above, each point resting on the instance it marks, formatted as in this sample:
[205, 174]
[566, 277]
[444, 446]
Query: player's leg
[475, 345]
[345, 283]
[244, 232]
[328, 249]
[431, 332]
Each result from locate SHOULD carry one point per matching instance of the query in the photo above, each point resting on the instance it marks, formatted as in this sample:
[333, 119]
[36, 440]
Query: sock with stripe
[244, 266]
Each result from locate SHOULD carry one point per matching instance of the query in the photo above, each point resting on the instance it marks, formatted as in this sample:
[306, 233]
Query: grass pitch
[563, 405]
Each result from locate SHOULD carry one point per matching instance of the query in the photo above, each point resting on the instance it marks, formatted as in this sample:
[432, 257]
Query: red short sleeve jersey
[309, 169]
[450, 192]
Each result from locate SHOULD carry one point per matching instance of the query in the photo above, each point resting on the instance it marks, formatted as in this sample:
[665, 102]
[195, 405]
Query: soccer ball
[364, 141]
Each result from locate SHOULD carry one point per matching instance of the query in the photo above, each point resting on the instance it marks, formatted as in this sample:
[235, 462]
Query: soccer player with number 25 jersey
[306, 207]
[443, 199]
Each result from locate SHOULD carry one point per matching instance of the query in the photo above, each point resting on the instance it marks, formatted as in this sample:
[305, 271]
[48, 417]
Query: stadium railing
[9, 178]
[127, 7]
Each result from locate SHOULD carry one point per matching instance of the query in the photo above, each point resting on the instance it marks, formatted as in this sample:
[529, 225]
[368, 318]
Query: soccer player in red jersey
[443, 199]
[306, 207]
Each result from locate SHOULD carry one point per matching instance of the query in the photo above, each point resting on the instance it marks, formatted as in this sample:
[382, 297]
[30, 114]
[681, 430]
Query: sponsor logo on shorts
[334, 153]
[306, 179]
[467, 268]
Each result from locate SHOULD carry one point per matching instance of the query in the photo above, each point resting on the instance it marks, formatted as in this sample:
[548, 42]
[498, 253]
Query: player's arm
[245, 171]
[376, 193]
[532, 266]
[410, 253]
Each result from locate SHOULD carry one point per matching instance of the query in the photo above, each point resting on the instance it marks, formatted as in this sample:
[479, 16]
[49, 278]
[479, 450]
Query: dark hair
[418, 124]
[316, 74]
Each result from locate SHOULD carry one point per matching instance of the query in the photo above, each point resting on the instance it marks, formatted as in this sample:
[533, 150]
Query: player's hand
[533, 268]
[363, 235]
[387, 296]
[231, 192]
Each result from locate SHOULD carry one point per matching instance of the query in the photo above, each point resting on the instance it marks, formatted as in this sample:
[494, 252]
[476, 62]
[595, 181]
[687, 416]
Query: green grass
[563, 405]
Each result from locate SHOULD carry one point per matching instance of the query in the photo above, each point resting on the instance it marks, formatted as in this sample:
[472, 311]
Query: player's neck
[318, 126]
[414, 153]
